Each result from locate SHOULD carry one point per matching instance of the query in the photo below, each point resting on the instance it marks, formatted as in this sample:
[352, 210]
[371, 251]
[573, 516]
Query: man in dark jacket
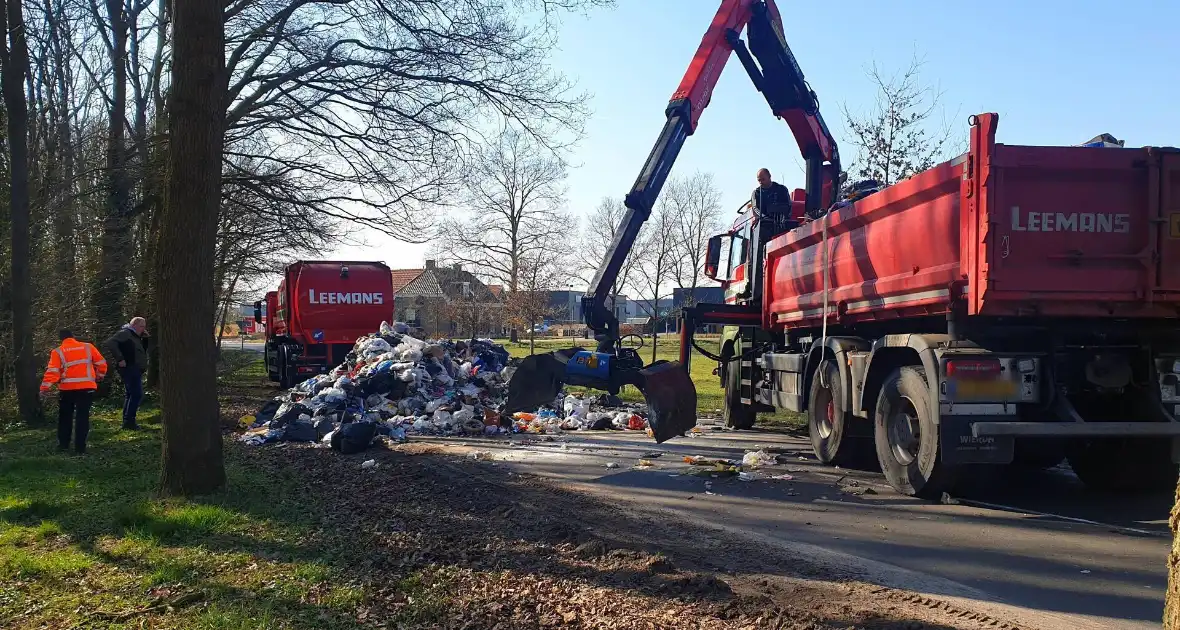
[128, 350]
[772, 200]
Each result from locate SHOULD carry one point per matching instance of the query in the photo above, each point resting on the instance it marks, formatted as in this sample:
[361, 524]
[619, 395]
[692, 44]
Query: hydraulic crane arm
[777, 76]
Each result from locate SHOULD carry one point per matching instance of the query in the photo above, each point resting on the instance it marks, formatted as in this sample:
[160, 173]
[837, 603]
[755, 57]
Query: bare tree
[515, 191]
[192, 452]
[598, 232]
[375, 102]
[658, 262]
[529, 304]
[697, 205]
[14, 67]
[899, 136]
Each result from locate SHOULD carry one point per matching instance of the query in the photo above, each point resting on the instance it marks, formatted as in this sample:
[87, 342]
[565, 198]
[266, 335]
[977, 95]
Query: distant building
[566, 307]
[449, 301]
[402, 277]
[700, 295]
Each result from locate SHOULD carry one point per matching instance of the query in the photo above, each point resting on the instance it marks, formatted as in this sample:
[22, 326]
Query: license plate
[990, 390]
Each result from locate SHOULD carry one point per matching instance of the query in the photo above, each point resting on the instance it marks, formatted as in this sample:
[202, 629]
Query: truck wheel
[736, 414]
[286, 377]
[907, 437]
[1124, 464]
[827, 419]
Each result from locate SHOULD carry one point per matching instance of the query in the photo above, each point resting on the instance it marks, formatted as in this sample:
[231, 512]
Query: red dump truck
[1017, 304]
[318, 312]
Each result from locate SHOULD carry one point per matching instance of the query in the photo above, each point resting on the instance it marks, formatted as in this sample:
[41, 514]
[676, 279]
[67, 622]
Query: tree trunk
[12, 75]
[192, 450]
[1172, 601]
[111, 291]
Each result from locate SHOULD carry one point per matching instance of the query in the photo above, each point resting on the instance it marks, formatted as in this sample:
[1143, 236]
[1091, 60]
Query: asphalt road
[1036, 546]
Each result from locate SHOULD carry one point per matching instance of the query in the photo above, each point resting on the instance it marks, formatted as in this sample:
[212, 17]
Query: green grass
[708, 385]
[86, 540]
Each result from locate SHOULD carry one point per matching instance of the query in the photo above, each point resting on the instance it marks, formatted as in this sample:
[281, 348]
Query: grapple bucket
[671, 400]
[536, 381]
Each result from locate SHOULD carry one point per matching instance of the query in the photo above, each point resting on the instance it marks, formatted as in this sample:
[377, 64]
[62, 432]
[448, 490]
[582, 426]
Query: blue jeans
[133, 383]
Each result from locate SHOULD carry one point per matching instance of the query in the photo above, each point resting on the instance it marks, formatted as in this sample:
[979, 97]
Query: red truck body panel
[1015, 230]
[318, 303]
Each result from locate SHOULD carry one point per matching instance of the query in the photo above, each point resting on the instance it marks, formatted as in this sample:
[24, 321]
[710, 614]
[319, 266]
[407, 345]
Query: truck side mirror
[258, 312]
[713, 256]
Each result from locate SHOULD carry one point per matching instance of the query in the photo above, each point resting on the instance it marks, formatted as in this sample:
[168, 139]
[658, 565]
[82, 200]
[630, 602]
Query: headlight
[1176, 366]
[1025, 366]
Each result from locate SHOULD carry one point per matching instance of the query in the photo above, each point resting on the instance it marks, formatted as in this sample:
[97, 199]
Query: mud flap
[671, 400]
[958, 446]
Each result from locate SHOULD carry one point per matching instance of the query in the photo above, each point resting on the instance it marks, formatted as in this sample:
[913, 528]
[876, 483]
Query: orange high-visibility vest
[74, 365]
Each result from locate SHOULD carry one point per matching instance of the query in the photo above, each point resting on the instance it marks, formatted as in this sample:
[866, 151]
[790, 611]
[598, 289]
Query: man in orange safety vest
[75, 367]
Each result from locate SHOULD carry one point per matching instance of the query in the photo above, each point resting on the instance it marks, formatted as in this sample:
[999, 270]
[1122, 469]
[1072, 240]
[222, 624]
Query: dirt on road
[455, 543]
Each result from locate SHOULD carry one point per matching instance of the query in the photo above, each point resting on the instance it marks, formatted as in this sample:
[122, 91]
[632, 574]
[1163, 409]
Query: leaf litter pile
[452, 543]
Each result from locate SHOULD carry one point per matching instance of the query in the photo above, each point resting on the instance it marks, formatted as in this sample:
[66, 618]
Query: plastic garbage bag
[385, 329]
[423, 425]
[268, 410]
[290, 412]
[443, 420]
[621, 419]
[754, 459]
[434, 405]
[374, 348]
[354, 437]
[333, 395]
[470, 390]
[302, 430]
[323, 425]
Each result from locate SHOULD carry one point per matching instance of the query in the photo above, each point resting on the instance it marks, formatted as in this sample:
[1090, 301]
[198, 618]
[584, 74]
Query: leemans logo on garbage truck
[331, 297]
[1070, 222]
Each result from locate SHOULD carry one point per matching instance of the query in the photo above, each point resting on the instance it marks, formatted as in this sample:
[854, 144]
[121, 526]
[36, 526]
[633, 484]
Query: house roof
[402, 277]
[447, 282]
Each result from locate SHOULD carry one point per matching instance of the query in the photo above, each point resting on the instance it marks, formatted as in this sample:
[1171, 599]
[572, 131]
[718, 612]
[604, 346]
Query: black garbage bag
[354, 437]
[323, 426]
[602, 424]
[393, 339]
[268, 410]
[300, 431]
[384, 383]
[290, 413]
[432, 367]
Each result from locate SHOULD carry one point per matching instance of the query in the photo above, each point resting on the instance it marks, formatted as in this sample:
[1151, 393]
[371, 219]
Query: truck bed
[1017, 231]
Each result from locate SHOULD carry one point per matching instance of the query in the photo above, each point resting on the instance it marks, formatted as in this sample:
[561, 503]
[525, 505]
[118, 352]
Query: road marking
[1074, 519]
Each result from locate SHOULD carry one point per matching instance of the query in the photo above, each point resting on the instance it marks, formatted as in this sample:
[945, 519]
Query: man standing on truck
[772, 201]
[128, 348]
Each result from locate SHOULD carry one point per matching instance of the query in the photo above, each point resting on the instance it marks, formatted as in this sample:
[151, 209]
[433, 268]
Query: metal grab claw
[670, 394]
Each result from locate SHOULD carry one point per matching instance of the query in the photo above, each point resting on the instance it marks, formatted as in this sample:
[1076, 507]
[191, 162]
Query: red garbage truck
[318, 312]
[1017, 304]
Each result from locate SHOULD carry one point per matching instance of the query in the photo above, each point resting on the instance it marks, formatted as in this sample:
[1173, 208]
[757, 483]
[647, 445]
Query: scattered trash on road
[754, 459]
[369, 463]
[612, 465]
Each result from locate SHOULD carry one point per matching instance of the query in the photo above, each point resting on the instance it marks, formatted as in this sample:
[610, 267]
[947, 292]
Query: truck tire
[827, 419]
[736, 414]
[1124, 464]
[906, 436]
[286, 373]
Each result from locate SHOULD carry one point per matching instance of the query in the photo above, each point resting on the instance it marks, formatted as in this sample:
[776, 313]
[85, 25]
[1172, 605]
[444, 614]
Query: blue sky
[1057, 73]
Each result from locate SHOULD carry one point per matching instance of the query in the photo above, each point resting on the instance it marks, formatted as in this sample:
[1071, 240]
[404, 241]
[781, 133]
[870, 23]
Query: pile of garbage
[392, 385]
